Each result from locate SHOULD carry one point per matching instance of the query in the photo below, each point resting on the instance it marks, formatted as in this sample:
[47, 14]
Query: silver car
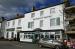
[51, 43]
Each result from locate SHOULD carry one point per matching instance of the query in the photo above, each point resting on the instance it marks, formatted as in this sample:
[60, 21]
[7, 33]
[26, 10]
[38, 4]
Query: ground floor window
[26, 36]
[52, 37]
[55, 35]
[12, 34]
[42, 36]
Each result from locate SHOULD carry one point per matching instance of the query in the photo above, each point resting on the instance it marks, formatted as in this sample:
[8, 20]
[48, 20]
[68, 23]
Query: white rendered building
[44, 23]
[12, 27]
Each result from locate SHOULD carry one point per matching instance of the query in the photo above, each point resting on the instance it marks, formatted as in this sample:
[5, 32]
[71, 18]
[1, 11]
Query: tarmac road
[18, 45]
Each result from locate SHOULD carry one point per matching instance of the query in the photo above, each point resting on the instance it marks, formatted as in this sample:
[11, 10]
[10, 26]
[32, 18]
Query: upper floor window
[41, 13]
[41, 23]
[8, 23]
[52, 22]
[13, 23]
[30, 24]
[52, 10]
[58, 21]
[19, 22]
[55, 21]
[32, 15]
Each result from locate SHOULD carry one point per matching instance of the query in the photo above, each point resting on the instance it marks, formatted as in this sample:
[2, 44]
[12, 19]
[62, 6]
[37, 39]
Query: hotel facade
[44, 23]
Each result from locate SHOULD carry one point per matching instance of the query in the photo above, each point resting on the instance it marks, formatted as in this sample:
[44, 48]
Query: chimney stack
[33, 8]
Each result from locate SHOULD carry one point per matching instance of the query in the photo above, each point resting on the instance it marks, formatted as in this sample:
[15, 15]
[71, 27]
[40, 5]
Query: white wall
[15, 25]
[45, 18]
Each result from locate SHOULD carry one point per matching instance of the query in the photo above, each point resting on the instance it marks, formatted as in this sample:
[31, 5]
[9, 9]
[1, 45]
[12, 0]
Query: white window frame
[52, 10]
[32, 15]
[19, 22]
[41, 13]
[8, 23]
[41, 23]
[13, 23]
[31, 24]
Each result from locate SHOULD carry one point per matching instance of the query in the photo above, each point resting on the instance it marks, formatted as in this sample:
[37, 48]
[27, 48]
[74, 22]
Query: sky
[9, 8]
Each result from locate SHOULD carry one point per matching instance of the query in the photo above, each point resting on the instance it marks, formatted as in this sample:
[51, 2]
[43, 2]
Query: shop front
[35, 36]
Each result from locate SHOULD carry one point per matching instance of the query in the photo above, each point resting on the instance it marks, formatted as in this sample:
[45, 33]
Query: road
[18, 45]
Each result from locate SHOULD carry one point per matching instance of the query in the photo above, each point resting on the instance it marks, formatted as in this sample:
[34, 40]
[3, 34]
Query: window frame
[41, 23]
[41, 13]
[19, 22]
[13, 23]
[53, 21]
[32, 15]
[52, 10]
[58, 21]
[31, 24]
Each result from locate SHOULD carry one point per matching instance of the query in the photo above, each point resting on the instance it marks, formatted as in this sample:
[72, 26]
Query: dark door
[12, 36]
[7, 35]
[18, 38]
[37, 37]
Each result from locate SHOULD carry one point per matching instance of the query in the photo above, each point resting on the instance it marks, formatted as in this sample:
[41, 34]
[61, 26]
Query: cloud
[9, 8]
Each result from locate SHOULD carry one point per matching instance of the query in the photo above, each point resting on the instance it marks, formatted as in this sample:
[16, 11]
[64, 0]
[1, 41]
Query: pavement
[18, 45]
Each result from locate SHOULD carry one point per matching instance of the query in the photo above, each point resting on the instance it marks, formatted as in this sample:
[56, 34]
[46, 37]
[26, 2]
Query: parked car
[71, 43]
[51, 44]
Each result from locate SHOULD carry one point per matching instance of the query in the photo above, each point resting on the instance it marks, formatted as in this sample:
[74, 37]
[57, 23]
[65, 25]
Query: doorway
[18, 38]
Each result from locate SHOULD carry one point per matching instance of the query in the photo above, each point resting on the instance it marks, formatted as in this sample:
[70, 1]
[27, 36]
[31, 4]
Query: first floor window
[55, 21]
[52, 22]
[30, 24]
[58, 21]
[41, 23]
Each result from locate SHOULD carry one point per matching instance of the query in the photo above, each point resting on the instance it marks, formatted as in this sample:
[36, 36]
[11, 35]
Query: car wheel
[57, 47]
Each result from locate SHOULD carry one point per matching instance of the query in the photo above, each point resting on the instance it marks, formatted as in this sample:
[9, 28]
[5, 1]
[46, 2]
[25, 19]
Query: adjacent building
[12, 27]
[70, 19]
